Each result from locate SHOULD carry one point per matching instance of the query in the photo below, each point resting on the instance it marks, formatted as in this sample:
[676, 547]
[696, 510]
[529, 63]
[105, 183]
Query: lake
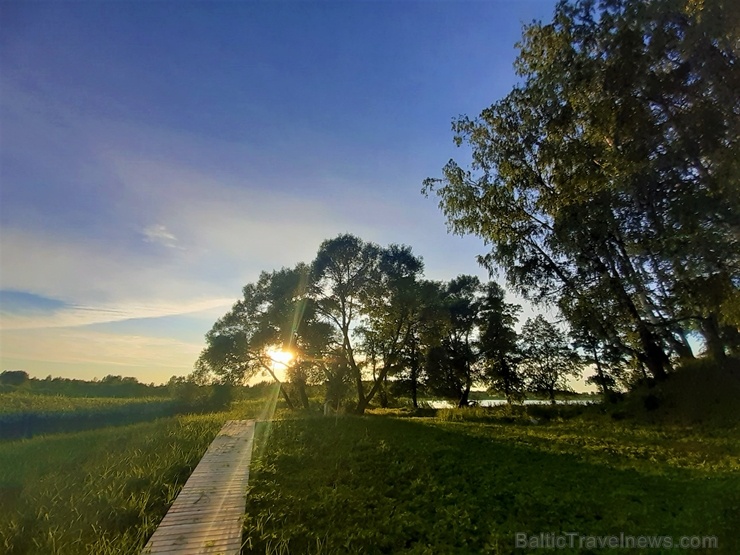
[442, 404]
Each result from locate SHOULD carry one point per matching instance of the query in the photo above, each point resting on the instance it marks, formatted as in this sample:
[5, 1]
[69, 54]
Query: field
[28, 414]
[102, 491]
[390, 482]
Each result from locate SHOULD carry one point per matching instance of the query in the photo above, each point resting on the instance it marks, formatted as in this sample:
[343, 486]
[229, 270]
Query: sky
[155, 157]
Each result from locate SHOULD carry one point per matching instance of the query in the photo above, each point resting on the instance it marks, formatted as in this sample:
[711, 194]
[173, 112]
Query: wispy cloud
[78, 316]
[159, 234]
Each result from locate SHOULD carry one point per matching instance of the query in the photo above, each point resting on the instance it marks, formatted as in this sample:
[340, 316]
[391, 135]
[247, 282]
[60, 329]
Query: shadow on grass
[385, 485]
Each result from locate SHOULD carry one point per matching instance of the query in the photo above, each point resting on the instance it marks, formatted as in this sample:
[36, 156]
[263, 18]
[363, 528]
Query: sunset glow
[280, 357]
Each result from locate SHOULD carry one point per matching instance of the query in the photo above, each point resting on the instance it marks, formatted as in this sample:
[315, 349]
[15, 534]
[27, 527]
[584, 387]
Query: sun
[280, 357]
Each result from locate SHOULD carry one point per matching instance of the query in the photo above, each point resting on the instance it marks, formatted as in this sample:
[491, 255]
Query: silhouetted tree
[452, 365]
[14, 377]
[274, 313]
[547, 358]
[498, 341]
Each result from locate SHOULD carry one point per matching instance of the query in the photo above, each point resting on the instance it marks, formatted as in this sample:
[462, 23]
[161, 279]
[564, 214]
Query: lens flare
[280, 357]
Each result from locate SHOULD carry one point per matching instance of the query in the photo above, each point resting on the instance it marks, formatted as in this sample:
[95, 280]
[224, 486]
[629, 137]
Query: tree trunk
[414, 377]
[712, 337]
[280, 384]
[464, 400]
[685, 351]
[383, 394]
[285, 396]
[414, 387]
[605, 391]
[362, 401]
[654, 356]
[507, 389]
[302, 395]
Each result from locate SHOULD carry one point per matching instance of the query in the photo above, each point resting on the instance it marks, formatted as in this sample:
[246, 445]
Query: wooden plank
[206, 518]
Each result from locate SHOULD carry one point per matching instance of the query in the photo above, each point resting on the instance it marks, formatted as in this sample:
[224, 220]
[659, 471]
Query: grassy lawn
[430, 485]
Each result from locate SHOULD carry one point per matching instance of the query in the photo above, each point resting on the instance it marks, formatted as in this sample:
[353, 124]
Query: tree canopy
[607, 181]
[362, 315]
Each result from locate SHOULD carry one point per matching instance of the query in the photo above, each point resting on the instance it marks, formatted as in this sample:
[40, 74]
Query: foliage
[453, 362]
[362, 321]
[13, 377]
[360, 316]
[369, 295]
[547, 358]
[393, 311]
[109, 386]
[608, 180]
[702, 392]
[498, 342]
[275, 313]
[471, 341]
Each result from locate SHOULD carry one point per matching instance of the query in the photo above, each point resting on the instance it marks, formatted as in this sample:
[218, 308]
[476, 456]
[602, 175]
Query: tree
[548, 361]
[367, 294]
[608, 181]
[13, 377]
[343, 273]
[452, 365]
[423, 335]
[498, 341]
[608, 361]
[275, 313]
[392, 310]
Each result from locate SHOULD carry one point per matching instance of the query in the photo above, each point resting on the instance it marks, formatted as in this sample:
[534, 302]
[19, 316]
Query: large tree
[392, 311]
[275, 313]
[427, 318]
[608, 181]
[343, 275]
[367, 293]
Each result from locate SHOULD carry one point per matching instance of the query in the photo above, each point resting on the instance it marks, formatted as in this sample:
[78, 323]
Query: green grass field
[458, 482]
[14, 403]
[430, 485]
[102, 491]
[25, 414]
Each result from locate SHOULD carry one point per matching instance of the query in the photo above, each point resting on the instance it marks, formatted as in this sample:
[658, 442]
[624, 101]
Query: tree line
[109, 386]
[362, 319]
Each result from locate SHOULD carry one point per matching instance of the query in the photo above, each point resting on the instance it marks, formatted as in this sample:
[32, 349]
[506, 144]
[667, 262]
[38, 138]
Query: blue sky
[156, 156]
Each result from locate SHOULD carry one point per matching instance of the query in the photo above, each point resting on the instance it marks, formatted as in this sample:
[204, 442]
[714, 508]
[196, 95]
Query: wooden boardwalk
[206, 517]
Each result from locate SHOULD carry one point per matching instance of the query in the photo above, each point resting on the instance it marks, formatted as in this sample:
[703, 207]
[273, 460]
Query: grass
[430, 485]
[101, 491]
[13, 403]
[397, 481]
[25, 414]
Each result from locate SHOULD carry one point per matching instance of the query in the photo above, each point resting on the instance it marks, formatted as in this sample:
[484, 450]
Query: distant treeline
[109, 386]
